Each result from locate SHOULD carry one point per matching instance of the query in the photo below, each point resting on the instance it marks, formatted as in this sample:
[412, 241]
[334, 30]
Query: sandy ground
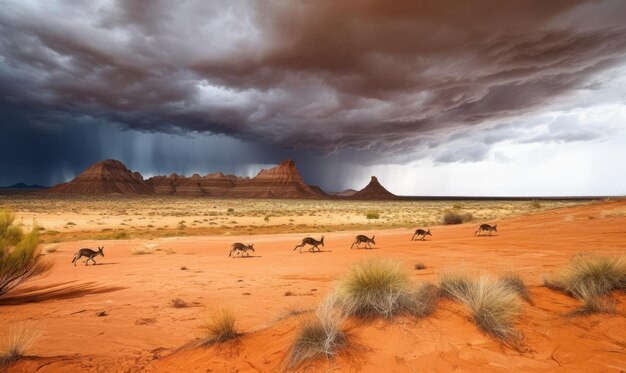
[142, 332]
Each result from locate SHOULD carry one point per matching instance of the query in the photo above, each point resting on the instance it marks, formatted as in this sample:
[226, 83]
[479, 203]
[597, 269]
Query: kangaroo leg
[412, 238]
[351, 247]
[74, 260]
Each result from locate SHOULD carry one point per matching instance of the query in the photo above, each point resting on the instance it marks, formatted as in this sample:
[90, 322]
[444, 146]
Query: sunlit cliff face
[439, 98]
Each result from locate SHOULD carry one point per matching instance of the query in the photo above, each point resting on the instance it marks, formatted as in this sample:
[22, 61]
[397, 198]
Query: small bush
[221, 326]
[457, 206]
[231, 210]
[514, 282]
[591, 274]
[379, 287]
[178, 303]
[372, 215]
[20, 254]
[592, 303]
[319, 335]
[17, 341]
[453, 217]
[492, 304]
[591, 278]
[535, 204]
[419, 266]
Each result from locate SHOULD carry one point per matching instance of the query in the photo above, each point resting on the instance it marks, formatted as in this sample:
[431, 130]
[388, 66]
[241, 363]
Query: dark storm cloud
[395, 80]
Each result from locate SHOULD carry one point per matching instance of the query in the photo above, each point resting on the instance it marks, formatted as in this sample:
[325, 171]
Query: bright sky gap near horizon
[516, 98]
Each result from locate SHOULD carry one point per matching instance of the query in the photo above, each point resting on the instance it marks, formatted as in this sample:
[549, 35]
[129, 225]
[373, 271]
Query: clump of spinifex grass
[591, 278]
[221, 327]
[514, 282]
[319, 334]
[17, 341]
[492, 303]
[381, 288]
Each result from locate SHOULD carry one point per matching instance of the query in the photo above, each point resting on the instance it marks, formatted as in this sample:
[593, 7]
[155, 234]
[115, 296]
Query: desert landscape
[237, 186]
[144, 306]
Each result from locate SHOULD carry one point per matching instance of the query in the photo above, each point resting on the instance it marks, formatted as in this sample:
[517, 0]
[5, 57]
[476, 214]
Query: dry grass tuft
[454, 217]
[17, 341]
[591, 278]
[319, 334]
[293, 311]
[178, 303]
[514, 282]
[221, 326]
[379, 287]
[493, 304]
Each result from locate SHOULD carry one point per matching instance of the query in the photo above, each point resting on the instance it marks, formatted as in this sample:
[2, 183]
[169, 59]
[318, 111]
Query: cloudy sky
[492, 97]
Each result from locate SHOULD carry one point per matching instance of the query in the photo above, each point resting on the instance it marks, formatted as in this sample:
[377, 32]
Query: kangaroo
[486, 228]
[239, 248]
[421, 232]
[89, 254]
[360, 239]
[310, 241]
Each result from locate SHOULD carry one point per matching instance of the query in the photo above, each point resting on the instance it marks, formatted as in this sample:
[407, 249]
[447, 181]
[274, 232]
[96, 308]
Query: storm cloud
[393, 81]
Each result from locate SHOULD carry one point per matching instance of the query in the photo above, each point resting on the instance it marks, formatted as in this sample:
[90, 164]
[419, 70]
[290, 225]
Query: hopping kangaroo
[486, 228]
[89, 254]
[239, 248]
[360, 239]
[310, 241]
[421, 232]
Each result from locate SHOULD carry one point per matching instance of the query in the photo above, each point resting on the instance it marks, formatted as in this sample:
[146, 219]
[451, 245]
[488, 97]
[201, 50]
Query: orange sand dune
[143, 333]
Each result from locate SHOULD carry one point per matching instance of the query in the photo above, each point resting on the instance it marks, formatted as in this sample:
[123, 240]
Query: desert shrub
[453, 217]
[591, 274]
[20, 255]
[514, 282]
[457, 206]
[535, 204]
[319, 334]
[231, 210]
[419, 266]
[372, 215]
[492, 304]
[379, 287]
[17, 341]
[221, 326]
[178, 303]
[591, 278]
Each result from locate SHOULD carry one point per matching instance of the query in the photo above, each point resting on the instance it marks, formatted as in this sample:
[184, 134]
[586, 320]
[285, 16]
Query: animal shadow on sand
[63, 290]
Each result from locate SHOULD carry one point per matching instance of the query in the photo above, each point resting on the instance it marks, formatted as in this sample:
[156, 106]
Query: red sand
[143, 333]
